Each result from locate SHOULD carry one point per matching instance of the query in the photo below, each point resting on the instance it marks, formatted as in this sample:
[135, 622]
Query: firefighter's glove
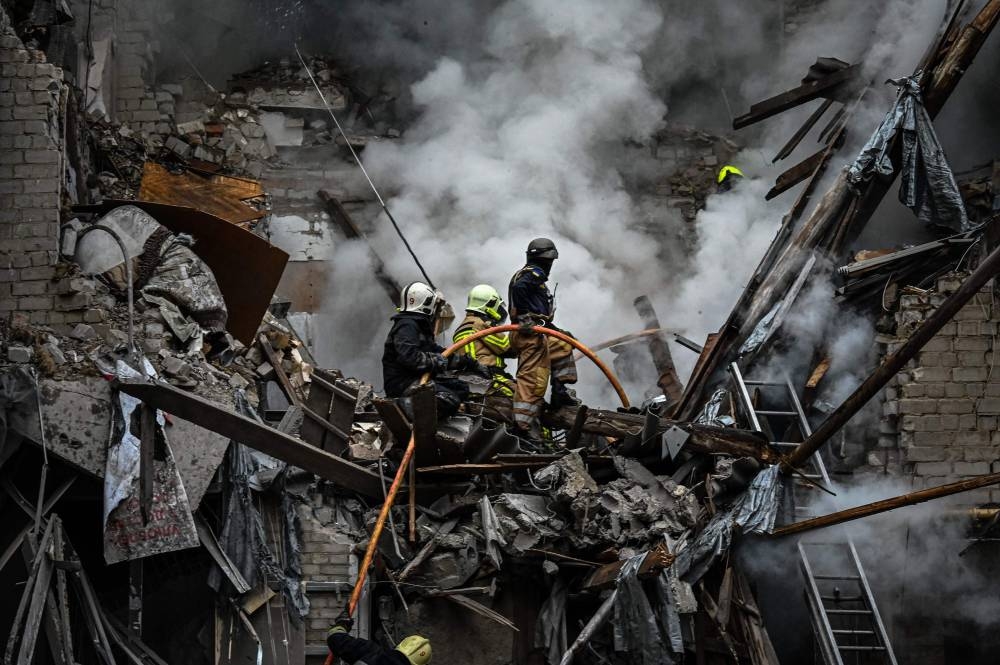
[344, 622]
[482, 371]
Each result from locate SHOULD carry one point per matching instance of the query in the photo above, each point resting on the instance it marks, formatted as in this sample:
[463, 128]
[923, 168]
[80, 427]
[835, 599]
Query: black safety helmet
[542, 248]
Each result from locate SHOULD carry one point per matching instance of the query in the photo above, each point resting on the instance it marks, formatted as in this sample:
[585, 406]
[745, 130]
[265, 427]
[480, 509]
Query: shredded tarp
[928, 185]
[491, 531]
[243, 537]
[638, 630]
[170, 526]
[16, 387]
[550, 629]
[709, 414]
[753, 512]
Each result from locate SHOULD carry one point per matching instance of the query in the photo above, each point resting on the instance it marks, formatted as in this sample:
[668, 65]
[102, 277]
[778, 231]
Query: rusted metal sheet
[247, 267]
[220, 195]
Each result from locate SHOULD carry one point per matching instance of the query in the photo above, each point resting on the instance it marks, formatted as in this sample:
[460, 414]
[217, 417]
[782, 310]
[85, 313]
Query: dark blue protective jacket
[363, 652]
[410, 351]
[530, 299]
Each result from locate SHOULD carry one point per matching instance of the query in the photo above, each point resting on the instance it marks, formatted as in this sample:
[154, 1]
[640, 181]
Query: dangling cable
[357, 159]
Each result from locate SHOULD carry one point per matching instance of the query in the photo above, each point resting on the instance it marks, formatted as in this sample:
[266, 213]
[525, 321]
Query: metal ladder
[845, 619]
[774, 410]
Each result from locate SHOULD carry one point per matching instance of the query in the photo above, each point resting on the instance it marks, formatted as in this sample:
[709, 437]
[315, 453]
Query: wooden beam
[800, 134]
[887, 504]
[343, 220]
[668, 381]
[806, 92]
[894, 362]
[251, 433]
[147, 446]
[279, 372]
[704, 438]
[797, 173]
[605, 577]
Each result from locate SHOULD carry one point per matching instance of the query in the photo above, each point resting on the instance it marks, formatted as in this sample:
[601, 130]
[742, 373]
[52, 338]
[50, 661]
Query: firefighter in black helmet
[539, 358]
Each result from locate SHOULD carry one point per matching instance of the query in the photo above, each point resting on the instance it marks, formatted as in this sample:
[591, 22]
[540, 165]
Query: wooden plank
[425, 425]
[800, 134]
[33, 621]
[27, 595]
[605, 577]
[342, 218]
[15, 544]
[251, 433]
[225, 564]
[222, 196]
[668, 381]
[824, 87]
[147, 445]
[279, 372]
[797, 173]
[393, 418]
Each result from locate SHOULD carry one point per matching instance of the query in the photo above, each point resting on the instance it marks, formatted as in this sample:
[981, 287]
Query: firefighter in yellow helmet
[413, 650]
[486, 309]
[728, 176]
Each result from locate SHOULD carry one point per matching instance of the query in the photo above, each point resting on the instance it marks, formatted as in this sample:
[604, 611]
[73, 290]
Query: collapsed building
[184, 482]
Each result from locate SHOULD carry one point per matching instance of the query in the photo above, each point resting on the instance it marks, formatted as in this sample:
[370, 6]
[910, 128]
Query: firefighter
[539, 357]
[410, 352]
[728, 176]
[414, 650]
[485, 309]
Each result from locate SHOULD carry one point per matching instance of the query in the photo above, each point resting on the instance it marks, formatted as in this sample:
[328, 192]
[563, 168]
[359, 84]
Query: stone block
[935, 390]
[933, 438]
[988, 406]
[28, 288]
[955, 405]
[932, 468]
[28, 303]
[917, 406]
[41, 156]
[41, 272]
[973, 438]
[925, 454]
[971, 468]
[971, 312]
[19, 354]
[938, 343]
[980, 453]
[73, 302]
[967, 374]
[931, 374]
[972, 343]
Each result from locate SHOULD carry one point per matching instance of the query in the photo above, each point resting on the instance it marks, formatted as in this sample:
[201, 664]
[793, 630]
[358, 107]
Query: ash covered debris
[178, 449]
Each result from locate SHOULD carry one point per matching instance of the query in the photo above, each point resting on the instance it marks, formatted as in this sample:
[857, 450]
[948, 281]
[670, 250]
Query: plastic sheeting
[928, 186]
[753, 512]
[170, 526]
[491, 532]
[709, 414]
[16, 387]
[648, 636]
[243, 537]
[550, 629]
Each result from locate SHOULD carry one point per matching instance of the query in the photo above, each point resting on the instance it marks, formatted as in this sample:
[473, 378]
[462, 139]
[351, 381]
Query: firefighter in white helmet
[410, 352]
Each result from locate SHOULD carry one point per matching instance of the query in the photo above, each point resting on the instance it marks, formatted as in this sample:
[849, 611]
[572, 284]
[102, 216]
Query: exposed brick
[980, 454]
[925, 454]
[938, 343]
[973, 438]
[34, 302]
[972, 358]
[972, 343]
[971, 468]
[988, 406]
[40, 186]
[934, 390]
[932, 468]
[955, 405]
[28, 288]
[931, 374]
[966, 374]
[969, 328]
[933, 438]
[971, 312]
[917, 406]
[43, 272]
[41, 156]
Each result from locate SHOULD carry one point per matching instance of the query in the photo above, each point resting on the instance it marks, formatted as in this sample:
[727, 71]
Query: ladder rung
[854, 612]
[853, 632]
[759, 383]
[785, 444]
[860, 648]
[843, 599]
[776, 413]
[837, 577]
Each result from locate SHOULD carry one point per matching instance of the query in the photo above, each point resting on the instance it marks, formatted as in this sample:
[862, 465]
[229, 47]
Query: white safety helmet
[420, 298]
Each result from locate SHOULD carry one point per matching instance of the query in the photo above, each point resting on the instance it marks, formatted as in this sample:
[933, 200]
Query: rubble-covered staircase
[846, 622]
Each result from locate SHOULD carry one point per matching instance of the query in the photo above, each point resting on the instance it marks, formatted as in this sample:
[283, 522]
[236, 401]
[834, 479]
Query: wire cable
[357, 159]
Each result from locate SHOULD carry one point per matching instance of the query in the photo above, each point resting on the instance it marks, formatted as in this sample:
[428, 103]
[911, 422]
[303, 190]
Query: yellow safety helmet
[727, 171]
[416, 648]
[485, 300]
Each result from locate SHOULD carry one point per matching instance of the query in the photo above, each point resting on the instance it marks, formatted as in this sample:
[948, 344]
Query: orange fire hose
[408, 455]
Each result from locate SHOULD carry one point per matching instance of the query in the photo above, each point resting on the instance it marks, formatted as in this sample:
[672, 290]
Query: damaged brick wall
[940, 414]
[31, 156]
[326, 557]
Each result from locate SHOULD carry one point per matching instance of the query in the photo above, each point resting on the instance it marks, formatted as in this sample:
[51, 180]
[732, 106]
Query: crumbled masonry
[184, 478]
